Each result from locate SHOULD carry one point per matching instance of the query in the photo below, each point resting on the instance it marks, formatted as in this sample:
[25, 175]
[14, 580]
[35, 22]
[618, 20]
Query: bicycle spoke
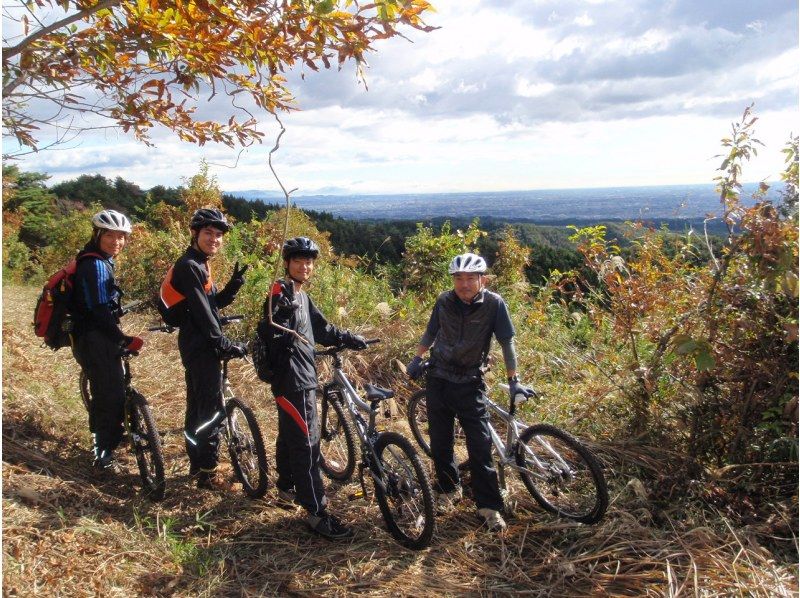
[404, 493]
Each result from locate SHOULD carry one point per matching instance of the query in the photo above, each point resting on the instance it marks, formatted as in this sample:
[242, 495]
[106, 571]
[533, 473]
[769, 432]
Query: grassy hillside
[69, 532]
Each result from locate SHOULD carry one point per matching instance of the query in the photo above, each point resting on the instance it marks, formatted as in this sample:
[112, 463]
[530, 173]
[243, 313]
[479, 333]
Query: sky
[509, 95]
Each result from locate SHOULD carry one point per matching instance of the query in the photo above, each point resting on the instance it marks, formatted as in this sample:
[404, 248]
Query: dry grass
[68, 532]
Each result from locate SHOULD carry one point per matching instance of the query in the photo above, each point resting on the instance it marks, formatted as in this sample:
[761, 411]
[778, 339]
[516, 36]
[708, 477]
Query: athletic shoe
[492, 519]
[330, 527]
[446, 501]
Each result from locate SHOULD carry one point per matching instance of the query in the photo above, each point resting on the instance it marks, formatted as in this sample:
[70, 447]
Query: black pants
[205, 414]
[297, 449]
[99, 357]
[446, 401]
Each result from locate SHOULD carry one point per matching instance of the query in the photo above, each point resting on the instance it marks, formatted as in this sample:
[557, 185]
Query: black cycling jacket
[95, 295]
[200, 328]
[300, 371]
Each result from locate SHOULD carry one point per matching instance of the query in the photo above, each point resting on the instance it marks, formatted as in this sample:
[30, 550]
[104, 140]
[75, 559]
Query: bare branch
[68, 20]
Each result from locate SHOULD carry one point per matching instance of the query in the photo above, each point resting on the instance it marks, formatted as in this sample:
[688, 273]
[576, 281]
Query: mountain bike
[241, 431]
[402, 488]
[561, 474]
[140, 428]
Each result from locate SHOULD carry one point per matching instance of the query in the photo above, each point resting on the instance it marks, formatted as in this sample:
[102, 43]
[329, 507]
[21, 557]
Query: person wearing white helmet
[459, 334]
[97, 336]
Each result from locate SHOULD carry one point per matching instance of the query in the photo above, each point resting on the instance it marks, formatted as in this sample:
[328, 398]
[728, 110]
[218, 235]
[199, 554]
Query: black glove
[414, 368]
[353, 341]
[515, 388]
[237, 278]
[286, 307]
[234, 350]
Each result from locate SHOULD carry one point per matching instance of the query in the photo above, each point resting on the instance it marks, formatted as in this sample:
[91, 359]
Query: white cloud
[511, 94]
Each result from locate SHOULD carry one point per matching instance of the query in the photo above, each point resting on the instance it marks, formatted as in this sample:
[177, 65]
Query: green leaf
[685, 345]
[324, 7]
[704, 361]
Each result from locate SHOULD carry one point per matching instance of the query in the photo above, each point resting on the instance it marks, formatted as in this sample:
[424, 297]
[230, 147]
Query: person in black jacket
[97, 337]
[294, 384]
[189, 293]
[459, 334]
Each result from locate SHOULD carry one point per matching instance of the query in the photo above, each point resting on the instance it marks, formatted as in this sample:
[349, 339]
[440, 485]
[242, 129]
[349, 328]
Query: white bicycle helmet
[112, 220]
[467, 262]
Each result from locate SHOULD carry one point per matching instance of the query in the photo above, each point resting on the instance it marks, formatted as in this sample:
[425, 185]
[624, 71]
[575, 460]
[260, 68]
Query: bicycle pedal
[358, 494]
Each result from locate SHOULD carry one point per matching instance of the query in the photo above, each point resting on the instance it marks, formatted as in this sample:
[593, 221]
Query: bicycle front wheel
[146, 446]
[561, 474]
[337, 443]
[403, 491]
[417, 414]
[246, 448]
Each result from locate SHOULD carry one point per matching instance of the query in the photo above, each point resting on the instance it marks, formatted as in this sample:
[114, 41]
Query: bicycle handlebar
[130, 307]
[224, 321]
[339, 348]
[163, 328]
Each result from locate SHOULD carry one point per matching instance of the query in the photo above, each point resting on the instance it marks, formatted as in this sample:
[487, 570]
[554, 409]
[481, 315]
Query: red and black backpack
[52, 320]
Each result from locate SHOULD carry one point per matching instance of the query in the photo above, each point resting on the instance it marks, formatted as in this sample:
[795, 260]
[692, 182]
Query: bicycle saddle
[376, 393]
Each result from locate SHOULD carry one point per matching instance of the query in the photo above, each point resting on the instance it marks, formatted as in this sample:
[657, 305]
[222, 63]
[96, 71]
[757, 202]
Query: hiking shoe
[330, 527]
[492, 519]
[106, 463]
[210, 480]
[446, 501]
[288, 497]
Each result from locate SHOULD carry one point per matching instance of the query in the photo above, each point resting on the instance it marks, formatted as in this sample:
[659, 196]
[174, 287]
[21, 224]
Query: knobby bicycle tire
[571, 483]
[404, 493]
[337, 444]
[246, 448]
[146, 445]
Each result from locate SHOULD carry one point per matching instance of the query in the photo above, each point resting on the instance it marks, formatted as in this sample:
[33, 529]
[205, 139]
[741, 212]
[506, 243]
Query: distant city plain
[667, 202]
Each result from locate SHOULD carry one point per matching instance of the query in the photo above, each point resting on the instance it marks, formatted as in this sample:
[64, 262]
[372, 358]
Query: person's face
[301, 268]
[111, 242]
[209, 240]
[467, 285]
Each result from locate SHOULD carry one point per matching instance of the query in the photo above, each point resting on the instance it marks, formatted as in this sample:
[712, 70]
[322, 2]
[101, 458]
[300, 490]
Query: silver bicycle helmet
[112, 220]
[467, 262]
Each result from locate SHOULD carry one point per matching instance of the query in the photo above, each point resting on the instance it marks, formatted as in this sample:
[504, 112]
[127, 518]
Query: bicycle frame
[514, 427]
[365, 430]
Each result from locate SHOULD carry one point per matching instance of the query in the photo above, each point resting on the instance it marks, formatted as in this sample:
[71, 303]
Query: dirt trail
[69, 532]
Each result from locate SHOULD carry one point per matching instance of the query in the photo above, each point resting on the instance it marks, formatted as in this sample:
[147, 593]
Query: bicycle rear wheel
[403, 491]
[246, 448]
[146, 445]
[417, 414]
[561, 474]
[337, 443]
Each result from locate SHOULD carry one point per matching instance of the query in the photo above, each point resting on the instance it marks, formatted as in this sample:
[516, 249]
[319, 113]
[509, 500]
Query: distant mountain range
[690, 202]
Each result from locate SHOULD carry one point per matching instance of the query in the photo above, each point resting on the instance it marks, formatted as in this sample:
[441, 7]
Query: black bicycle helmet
[209, 217]
[302, 246]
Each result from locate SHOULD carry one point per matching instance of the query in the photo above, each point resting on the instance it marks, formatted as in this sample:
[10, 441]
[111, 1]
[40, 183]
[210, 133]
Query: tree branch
[9, 53]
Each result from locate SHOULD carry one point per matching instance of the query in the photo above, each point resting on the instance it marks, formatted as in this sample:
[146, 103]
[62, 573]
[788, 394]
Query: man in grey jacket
[459, 334]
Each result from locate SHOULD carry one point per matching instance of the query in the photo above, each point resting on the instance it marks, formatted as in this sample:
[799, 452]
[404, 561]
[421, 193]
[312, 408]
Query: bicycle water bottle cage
[376, 393]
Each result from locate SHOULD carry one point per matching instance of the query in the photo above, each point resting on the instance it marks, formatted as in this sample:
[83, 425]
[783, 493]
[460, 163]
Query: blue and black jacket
[96, 296]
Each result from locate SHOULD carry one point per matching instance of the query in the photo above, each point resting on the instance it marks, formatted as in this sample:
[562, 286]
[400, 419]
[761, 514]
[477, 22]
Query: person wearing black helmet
[294, 385]
[459, 334]
[189, 294]
[97, 337]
